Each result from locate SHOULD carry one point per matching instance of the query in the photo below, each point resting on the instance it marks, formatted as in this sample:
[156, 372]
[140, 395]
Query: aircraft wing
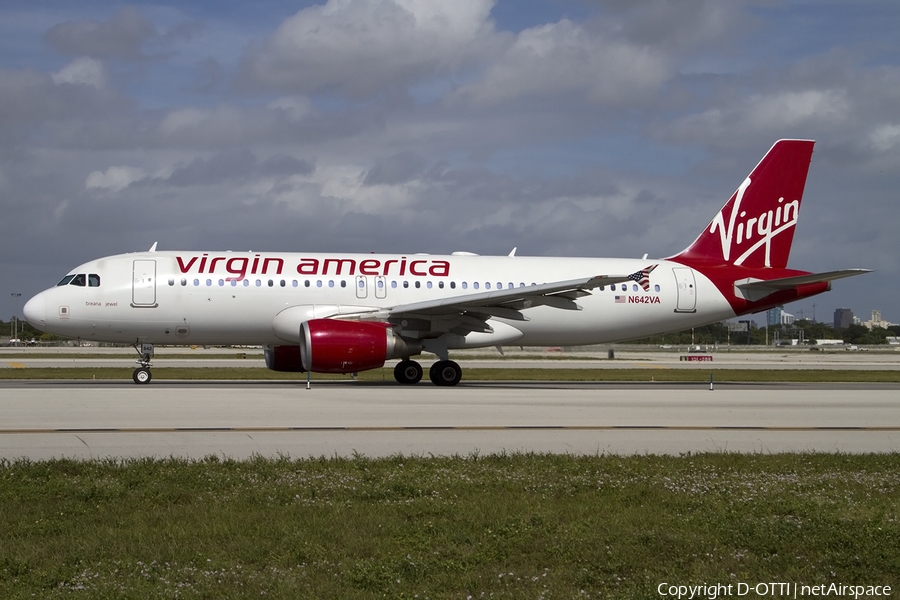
[755, 289]
[470, 312]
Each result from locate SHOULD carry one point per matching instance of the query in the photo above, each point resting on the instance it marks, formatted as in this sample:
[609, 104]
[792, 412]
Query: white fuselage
[183, 298]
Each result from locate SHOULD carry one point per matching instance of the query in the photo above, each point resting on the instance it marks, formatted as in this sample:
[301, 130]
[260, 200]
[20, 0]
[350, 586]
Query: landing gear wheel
[141, 376]
[445, 372]
[408, 372]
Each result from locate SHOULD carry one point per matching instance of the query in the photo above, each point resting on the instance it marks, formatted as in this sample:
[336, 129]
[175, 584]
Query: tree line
[718, 334]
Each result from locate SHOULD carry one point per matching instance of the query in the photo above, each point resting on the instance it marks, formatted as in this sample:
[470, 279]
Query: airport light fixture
[15, 319]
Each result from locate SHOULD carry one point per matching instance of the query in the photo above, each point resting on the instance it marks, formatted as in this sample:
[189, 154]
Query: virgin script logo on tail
[760, 229]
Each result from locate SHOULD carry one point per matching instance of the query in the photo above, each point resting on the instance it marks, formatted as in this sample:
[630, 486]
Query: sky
[560, 127]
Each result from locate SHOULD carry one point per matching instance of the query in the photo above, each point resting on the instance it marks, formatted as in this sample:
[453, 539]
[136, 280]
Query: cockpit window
[91, 280]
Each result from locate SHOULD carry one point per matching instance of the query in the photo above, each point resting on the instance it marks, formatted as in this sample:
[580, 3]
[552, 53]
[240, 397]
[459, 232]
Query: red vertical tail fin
[756, 227]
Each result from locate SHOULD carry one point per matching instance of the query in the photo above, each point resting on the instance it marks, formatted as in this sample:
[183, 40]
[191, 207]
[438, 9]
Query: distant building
[877, 321]
[776, 316]
[735, 326]
[843, 318]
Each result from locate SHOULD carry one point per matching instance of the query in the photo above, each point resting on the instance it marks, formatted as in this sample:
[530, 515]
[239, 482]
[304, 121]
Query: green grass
[500, 526]
[501, 374]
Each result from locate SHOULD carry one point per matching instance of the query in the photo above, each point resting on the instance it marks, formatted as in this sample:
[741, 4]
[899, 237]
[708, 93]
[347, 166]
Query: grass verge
[500, 526]
[501, 374]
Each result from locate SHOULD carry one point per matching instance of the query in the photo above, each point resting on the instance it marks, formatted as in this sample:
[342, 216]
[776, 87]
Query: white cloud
[83, 71]
[363, 47]
[183, 118]
[295, 107]
[790, 109]
[114, 179]
[767, 116]
[563, 58]
[885, 137]
[219, 126]
[120, 37]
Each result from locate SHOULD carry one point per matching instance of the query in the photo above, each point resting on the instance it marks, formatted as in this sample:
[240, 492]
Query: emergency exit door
[687, 290]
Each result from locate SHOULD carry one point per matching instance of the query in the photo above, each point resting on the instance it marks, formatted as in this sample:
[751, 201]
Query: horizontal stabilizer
[757, 289]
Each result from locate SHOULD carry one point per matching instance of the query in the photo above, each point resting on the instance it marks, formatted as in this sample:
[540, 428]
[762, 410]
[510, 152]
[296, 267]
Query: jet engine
[334, 346]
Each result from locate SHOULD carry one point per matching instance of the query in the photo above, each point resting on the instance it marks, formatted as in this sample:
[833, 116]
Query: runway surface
[87, 419]
[18, 358]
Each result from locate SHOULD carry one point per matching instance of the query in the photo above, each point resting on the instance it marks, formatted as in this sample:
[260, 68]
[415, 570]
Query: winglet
[153, 247]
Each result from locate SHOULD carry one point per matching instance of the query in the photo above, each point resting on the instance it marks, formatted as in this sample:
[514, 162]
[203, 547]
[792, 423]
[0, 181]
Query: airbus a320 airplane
[344, 313]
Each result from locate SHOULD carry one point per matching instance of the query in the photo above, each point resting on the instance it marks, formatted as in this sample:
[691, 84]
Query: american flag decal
[620, 299]
[642, 277]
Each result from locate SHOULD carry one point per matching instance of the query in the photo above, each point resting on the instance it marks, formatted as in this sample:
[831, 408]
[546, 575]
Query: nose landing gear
[142, 374]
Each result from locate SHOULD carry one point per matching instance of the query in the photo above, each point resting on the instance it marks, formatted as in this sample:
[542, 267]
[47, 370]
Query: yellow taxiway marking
[16, 365]
[651, 366]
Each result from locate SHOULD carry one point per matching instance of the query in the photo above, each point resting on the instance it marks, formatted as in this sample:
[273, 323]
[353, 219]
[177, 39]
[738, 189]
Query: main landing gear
[443, 372]
[408, 372]
[142, 374]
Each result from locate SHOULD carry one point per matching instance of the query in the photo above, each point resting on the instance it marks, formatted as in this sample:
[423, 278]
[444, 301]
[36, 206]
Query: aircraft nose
[36, 310]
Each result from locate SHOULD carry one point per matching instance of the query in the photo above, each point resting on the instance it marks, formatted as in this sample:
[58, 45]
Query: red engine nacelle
[283, 358]
[333, 346]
